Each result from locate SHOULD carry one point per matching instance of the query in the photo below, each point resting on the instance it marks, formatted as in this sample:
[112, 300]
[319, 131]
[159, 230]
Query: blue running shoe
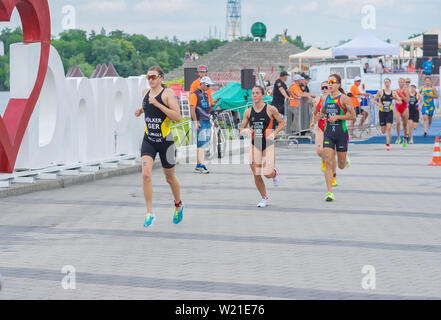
[179, 213]
[149, 220]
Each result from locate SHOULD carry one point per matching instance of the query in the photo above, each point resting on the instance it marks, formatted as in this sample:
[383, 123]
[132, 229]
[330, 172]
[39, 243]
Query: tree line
[131, 55]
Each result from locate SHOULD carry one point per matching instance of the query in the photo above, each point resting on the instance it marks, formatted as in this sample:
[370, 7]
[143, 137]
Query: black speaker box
[190, 75]
[247, 79]
[430, 45]
[436, 63]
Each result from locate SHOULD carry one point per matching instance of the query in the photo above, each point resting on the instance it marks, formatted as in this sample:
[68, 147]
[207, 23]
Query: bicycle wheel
[220, 145]
[210, 153]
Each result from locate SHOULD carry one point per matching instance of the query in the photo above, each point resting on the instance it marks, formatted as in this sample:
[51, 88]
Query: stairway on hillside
[234, 56]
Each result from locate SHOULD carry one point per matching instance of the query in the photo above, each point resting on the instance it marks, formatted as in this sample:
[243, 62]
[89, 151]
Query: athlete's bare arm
[406, 97]
[322, 110]
[314, 112]
[397, 97]
[246, 120]
[377, 97]
[275, 115]
[435, 94]
[140, 111]
[420, 101]
[346, 103]
[173, 111]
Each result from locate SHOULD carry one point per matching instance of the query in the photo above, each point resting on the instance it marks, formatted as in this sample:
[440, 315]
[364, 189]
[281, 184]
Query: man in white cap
[355, 94]
[296, 91]
[201, 105]
[203, 72]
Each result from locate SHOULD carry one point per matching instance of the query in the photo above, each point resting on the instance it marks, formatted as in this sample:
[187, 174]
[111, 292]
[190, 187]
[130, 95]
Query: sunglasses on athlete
[325, 88]
[332, 81]
[152, 77]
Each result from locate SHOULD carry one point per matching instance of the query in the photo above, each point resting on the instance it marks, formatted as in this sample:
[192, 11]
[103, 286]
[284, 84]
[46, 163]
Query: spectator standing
[280, 93]
[428, 67]
[354, 95]
[201, 105]
[203, 72]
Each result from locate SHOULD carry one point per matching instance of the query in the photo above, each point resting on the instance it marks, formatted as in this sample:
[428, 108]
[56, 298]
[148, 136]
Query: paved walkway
[387, 215]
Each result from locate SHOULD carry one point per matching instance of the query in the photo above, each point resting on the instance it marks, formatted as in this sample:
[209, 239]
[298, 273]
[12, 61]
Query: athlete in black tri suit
[415, 101]
[159, 107]
[386, 112]
[337, 108]
[261, 118]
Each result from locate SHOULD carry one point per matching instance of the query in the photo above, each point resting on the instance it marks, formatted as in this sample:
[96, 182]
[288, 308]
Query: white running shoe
[348, 161]
[263, 203]
[276, 179]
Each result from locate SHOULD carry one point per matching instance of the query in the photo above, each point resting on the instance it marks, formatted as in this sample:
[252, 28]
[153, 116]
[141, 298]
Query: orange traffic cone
[436, 160]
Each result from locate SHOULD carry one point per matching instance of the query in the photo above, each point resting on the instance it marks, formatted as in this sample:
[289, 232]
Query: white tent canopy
[365, 44]
[312, 53]
[417, 42]
[404, 54]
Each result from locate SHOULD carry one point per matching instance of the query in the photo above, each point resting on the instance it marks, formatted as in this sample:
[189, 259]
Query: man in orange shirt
[201, 104]
[203, 72]
[354, 94]
[296, 91]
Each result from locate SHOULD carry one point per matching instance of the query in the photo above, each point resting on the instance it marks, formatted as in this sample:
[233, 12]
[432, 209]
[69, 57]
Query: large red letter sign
[36, 22]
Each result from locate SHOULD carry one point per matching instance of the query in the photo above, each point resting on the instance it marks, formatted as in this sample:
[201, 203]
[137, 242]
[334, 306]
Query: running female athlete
[321, 129]
[401, 111]
[386, 113]
[337, 108]
[160, 107]
[261, 118]
[428, 93]
[414, 111]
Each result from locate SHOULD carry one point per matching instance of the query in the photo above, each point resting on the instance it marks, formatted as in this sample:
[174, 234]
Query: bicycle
[218, 141]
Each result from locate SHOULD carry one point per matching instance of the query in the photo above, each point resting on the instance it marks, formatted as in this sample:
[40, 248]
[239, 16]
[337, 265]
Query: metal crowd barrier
[298, 120]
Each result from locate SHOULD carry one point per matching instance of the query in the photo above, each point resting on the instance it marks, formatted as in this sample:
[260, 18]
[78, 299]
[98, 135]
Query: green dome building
[258, 30]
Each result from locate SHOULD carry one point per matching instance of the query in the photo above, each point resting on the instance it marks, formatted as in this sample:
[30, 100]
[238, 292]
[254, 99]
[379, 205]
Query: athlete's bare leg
[269, 162]
[410, 125]
[330, 165]
[389, 132]
[147, 166]
[398, 123]
[405, 118]
[319, 135]
[256, 168]
[174, 184]
[425, 120]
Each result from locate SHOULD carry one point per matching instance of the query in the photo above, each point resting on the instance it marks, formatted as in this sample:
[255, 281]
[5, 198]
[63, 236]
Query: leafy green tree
[131, 54]
[105, 50]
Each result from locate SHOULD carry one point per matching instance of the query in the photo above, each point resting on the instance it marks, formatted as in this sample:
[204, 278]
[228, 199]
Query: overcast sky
[320, 22]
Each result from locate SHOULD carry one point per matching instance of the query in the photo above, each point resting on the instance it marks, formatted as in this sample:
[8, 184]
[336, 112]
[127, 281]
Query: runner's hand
[152, 100]
[312, 125]
[138, 112]
[333, 119]
[248, 131]
[272, 136]
[198, 125]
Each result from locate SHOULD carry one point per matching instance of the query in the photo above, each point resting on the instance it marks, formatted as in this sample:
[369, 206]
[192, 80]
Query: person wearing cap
[281, 93]
[296, 91]
[203, 72]
[201, 104]
[354, 94]
[304, 86]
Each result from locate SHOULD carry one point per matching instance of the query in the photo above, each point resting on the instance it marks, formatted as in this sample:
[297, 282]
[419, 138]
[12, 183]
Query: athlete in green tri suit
[337, 108]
